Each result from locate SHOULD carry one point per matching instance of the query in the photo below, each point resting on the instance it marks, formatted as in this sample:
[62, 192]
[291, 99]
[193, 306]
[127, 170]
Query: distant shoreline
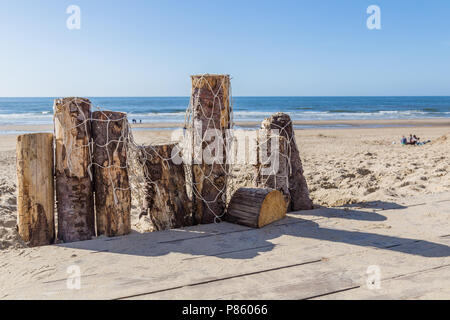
[170, 112]
[299, 125]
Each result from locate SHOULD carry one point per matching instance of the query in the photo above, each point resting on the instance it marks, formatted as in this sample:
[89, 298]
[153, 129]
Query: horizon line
[244, 96]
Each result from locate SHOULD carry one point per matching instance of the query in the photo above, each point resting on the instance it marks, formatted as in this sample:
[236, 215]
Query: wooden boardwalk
[319, 254]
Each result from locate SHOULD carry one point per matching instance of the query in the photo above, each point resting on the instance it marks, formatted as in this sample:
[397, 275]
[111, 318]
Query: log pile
[256, 207]
[88, 160]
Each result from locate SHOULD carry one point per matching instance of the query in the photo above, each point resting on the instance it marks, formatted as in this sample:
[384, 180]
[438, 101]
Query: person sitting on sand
[413, 140]
[404, 141]
[421, 143]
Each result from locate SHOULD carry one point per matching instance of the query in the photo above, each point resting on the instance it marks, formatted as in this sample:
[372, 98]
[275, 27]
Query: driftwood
[297, 186]
[166, 202]
[73, 182]
[211, 110]
[112, 188]
[273, 163]
[256, 208]
[35, 201]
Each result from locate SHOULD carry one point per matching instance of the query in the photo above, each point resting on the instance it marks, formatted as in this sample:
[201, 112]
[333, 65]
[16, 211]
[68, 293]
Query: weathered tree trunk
[112, 188]
[166, 202]
[298, 188]
[256, 208]
[273, 163]
[75, 201]
[35, 200]
[211, 110]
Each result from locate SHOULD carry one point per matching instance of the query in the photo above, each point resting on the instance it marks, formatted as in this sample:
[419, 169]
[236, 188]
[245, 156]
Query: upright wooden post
[297, 186]
[35, 201]
[112, 188]
[273, 162]
[211, 110]
[74, 194]
[166, 202]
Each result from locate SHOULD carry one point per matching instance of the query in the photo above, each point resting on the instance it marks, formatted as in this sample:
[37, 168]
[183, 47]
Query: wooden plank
[432, 283]
[249, 256]
[170, 272]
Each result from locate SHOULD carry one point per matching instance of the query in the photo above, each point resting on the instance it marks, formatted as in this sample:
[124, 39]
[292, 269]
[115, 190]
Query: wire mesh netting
[213, 153]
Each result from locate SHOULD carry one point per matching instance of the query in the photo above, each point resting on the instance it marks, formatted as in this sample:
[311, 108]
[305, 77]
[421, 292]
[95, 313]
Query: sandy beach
[145, 156]
[342, 166]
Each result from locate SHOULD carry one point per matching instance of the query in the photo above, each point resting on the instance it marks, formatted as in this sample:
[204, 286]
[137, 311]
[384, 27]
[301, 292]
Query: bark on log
[298, 188]
[256, 208]
[111, 184]
[211, 110]
[273, 163]
[75, 201]
[166, 202]
[35, 200]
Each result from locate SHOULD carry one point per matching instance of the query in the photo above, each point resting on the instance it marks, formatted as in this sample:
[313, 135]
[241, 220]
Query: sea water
[25, 111]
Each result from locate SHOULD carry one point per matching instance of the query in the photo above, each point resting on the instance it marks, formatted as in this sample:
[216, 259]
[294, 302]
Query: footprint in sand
[363, 171]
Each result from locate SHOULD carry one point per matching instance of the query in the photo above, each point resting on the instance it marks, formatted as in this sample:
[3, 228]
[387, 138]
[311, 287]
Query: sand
[342, 166]
[350, 166]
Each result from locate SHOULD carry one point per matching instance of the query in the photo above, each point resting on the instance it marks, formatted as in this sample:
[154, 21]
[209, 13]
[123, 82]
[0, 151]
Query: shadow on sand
[238, 242]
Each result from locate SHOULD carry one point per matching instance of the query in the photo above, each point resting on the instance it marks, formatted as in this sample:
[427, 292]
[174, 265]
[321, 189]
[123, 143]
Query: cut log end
[272, 209]
[256, 207]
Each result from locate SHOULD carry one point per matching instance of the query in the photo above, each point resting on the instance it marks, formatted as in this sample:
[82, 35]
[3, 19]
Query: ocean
[26, 111]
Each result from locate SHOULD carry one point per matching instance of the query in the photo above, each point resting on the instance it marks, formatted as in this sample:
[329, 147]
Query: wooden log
[211, 110]
[298, 188]
[35, 200]
[273, 163]
[111, 184]
[75, 200]
[166, 202]
[256, 207]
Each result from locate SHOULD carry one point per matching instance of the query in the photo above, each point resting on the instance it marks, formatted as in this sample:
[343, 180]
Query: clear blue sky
[294, 48]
